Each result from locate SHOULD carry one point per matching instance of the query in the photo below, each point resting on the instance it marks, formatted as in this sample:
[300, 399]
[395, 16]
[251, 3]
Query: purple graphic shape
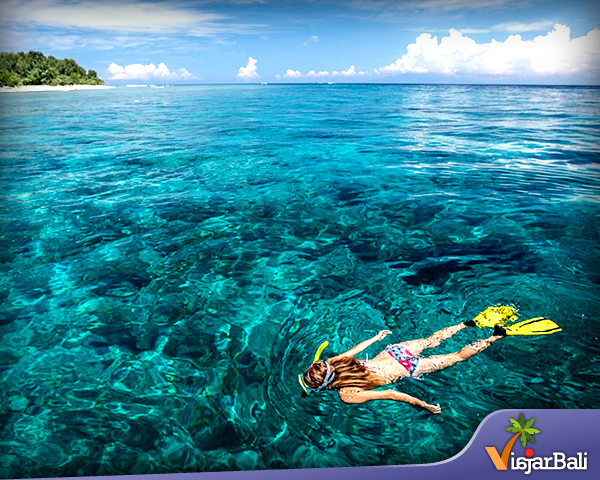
[566, 431]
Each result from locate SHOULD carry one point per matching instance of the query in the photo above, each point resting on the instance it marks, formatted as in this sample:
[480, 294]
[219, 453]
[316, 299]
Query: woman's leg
[417, 346]
[439, 362]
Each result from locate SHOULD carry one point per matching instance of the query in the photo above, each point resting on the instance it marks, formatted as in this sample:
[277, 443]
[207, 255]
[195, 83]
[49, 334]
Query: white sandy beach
[48, 88]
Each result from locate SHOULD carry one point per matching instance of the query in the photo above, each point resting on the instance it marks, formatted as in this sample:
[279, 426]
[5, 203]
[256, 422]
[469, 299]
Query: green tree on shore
[34, 68]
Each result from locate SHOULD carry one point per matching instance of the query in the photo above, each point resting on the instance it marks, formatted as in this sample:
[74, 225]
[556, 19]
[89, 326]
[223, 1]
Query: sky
[290, 41]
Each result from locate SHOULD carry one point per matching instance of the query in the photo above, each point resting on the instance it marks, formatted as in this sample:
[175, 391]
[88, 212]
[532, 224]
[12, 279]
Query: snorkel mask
[329, 376]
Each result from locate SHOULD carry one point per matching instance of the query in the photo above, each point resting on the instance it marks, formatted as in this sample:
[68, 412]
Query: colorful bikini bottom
[404, 357]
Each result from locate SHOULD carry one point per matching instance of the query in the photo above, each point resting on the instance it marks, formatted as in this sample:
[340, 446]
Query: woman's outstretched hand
[435, 409]
[381, 335]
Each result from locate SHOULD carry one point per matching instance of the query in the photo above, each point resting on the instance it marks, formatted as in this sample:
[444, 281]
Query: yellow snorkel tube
[320, 350]
[304, 386]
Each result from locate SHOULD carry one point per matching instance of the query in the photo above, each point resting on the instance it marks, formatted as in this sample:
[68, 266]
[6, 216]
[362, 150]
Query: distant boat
[263, 83]
[330, 83]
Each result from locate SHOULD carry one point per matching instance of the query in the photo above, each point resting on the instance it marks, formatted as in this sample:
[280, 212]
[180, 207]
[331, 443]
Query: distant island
[34, 68]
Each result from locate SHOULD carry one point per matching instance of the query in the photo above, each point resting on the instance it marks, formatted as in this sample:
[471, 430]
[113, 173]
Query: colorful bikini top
[373, 368]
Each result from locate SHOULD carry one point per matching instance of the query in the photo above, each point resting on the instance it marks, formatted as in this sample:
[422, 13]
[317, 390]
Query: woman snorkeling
[355, 379]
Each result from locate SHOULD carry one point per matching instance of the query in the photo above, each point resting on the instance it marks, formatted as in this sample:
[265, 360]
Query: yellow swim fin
[533, 326]
[496, 315]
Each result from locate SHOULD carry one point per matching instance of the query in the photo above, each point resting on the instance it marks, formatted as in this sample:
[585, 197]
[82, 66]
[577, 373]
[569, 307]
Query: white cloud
[107, 15]
[298, 74]
[422, 5]
[351, 72]
[449, 5]
[120, 15]
[522, 27]
[552, 54]
[137, 71]
[293, 74]
[73, 42]
[249, 71]
[14, 39]
[474, 30]
[219, 41]
[183, 73]
[311, 39]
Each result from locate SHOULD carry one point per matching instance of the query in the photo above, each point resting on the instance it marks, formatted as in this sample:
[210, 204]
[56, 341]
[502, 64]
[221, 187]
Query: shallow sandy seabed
[49, 88]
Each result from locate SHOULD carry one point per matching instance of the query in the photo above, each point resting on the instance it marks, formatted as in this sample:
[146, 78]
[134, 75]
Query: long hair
[348, 373]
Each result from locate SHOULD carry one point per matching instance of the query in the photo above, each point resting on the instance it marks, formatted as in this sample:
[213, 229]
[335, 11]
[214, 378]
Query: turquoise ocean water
[171, 259]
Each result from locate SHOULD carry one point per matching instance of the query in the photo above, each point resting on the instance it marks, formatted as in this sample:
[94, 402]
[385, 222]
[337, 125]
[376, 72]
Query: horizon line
[361, 83]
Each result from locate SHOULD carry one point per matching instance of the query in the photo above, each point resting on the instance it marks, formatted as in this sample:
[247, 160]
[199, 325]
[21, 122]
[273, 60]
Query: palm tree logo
[520, 428]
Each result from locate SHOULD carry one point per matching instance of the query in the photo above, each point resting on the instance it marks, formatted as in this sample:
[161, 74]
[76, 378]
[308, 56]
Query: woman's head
[343, 372]
[316, 374]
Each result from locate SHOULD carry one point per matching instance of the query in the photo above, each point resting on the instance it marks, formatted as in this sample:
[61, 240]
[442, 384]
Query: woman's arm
[357, 395]
[362, 345]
